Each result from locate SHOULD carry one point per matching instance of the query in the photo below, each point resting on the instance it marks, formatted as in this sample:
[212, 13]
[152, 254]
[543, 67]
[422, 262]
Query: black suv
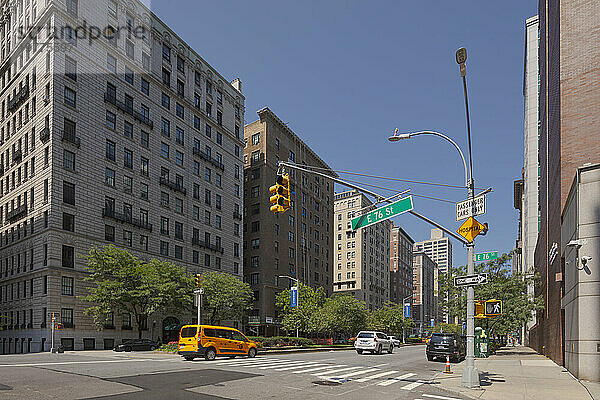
[446, 344]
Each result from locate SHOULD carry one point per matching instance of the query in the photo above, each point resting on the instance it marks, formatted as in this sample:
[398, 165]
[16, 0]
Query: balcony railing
[17, 213]
[206, 245]
[237, 215]
[45, 135]
[127, 109]
[125, 218]
[71, 138]
[172, 185]
[18, 98]
[208, 158]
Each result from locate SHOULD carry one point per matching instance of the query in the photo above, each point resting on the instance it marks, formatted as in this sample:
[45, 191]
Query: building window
[145, 87]
[68, 160]
[179, 135]
[111, 120]
[68, 256]
[69, 193]
[164, 248]
[166, 101]
[128, 76]
[179, 110]
[144, 166]
[109, 177]
[127, 238]
[254, 278]
[128, 158]
[145, 139]
[166, 77]
[109, 233]
[70, 97]
[66, 317]
[180, 88]
[166, 52]
[256, 139]
[67, 286]
[68, 222]
[111, 63]
[179, 252]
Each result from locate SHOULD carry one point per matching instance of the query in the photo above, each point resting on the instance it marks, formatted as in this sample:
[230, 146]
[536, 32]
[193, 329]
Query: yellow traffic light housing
[280, 199]
[198, 280]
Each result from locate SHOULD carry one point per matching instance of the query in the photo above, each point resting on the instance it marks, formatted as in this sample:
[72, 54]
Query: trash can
[482, 343]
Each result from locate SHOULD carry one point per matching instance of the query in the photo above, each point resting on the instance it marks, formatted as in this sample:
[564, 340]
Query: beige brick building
[296, 243]
[129, 139]
[424, 301]
[362, 264]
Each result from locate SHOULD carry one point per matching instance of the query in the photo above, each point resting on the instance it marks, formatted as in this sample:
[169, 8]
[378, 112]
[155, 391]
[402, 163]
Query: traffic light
[493, 308]
[280, 198]
[198, 280]
[479, 309]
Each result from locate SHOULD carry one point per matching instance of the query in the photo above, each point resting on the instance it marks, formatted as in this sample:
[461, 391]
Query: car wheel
[211, 354]
[127, 348]
[252, 353]
[391, 349]
[188, 358]
[429, 358]
[152, 348]
[359, 351]
[379, 350]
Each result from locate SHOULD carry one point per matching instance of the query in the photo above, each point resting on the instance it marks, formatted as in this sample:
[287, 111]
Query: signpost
[470, 208]
[468, 280]
[391, 210]
[470, 229]
[490, 255]
[294, 296]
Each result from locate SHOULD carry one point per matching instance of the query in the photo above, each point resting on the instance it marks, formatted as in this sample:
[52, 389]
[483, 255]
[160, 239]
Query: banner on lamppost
[294, 296]
[406, 310]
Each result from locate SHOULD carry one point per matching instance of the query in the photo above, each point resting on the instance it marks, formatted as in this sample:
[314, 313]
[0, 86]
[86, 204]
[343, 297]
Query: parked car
[372, 341]
[395, 341]
[446, 344]
[137, 345]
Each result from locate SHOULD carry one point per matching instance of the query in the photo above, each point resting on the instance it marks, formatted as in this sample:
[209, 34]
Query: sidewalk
[516, 373]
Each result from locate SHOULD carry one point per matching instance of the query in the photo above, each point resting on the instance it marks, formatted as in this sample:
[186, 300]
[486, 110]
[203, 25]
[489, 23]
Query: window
[208, 88]
[69, 193]
[109, 177]
[70, 96]
[219, 117]
[219, 138]
[129, 49]
[180, 88]
[164, 149]
[207, 197]
[165, 128]
[68, 161]
[179, 135]
[67, 286]
[179, 205]
[128, 130]
[179, 158]
[111, 120]
[145, 61]
[256, 139]
[128, 76]
[128, 158]
[179, 110]
[144, 191]
[180, 64]
[166, 52]
[72, 7]
[126, 317]
[218, 180]
[68, 222]
[164, 199]
[111, 63]
[68, 256]
[208, 109]
[207, 174]
[254, 278]
[66, 317]
[70, 68]
[144, 166]
[179, 252]
[127, 184]
[144, 138]
[166, 77]
[166, 101]
[255, 156]
[145, 87]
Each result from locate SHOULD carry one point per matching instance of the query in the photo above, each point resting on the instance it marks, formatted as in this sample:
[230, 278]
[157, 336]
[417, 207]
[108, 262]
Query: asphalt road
[405, 374]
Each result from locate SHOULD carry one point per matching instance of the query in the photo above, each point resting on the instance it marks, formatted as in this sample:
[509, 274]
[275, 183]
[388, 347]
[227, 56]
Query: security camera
[578, 243]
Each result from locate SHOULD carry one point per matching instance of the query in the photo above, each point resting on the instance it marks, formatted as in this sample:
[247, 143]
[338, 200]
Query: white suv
[372, 341]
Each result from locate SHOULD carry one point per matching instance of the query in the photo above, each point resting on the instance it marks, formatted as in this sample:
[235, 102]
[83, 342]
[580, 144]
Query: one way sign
[469, 280]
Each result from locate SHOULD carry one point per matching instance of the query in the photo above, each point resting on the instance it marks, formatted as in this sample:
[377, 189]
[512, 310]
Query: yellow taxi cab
[211, 341]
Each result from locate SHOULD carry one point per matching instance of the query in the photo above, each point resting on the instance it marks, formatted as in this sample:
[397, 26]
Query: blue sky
[345, 74]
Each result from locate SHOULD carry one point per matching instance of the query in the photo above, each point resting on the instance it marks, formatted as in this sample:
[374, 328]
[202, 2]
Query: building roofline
[405, 233]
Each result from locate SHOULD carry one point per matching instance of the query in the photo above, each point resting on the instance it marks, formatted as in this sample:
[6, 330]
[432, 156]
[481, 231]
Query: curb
[303, 350]
[454, 391]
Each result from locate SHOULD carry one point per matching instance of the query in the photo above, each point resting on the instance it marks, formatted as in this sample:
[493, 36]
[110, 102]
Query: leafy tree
[502, 285]
[443, 327]
[225, 297]
[341, 313]
[310, 300]
[390, 319]
[120, 282]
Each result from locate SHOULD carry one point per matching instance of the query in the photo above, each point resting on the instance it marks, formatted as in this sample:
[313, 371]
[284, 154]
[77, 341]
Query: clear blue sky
[344, 74]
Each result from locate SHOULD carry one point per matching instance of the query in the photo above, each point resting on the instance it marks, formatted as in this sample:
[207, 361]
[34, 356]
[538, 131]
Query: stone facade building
[401, 266]
[127, 138]
[424, 301]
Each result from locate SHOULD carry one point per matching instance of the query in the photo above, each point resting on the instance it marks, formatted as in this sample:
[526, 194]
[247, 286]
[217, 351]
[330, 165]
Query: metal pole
[199, 301]
[52, 350]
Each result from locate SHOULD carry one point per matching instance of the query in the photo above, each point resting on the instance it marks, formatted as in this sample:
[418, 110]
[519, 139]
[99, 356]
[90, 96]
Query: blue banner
[406, 310]
[294, 297]
[432, 323]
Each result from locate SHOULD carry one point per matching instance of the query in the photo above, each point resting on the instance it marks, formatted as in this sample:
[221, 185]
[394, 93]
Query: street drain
[327, 383]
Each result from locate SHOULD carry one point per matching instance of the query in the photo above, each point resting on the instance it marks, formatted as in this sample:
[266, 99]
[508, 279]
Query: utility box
[482, 343]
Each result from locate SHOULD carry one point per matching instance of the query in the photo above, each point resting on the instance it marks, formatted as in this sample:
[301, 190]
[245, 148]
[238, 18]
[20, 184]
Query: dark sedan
[137, 345]
[446, 344]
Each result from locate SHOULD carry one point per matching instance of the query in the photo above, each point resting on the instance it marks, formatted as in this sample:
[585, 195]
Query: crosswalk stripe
[298, 366]
[283, 364]
[368, 378]
[335, 371]
[413, 385]
[364, 371]
[316, 369]
[396, 379]
[433, 396]
[247, 363]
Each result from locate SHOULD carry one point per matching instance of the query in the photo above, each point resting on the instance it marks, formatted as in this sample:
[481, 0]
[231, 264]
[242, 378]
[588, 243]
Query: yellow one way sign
[470, 229]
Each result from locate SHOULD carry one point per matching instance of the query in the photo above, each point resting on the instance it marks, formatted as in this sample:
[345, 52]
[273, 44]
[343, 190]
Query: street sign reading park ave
[464, 209]
[469, 280]
[470, 228]
[379, 214]
[490, 255]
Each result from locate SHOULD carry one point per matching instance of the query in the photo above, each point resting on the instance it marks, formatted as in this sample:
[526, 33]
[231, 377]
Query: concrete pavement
[517, 373]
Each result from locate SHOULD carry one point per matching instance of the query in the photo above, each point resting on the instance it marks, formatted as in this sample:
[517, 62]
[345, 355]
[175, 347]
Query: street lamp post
[298, 302]
[403, 303]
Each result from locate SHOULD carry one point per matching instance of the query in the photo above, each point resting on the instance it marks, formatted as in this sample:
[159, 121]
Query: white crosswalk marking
[368, 378]
[413, 385]
[335, 371]
[433, 396]
[317, 369]
[283, 364]
[396, 379]
[299, 366]
[364, 371]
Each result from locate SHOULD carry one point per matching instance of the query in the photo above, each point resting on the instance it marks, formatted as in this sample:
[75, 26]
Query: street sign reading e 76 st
[389, 211]
[469, 280]
[490, 255]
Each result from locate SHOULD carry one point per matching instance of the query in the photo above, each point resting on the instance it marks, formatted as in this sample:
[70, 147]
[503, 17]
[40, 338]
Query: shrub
[280, 341]
[171, 347]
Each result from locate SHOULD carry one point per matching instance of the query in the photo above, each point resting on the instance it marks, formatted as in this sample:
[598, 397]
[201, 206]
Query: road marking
[299, 366]
[335, 371]
[71, 362]
[396, 379]
[368, 378]
[364, 371]
[380, 365]
[439, 397]
[284, 364]
[246, 362]
[316, 369]
[413, 385]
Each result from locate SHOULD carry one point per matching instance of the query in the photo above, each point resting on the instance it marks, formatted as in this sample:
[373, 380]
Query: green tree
[225, 297]
[299, 317]
[341, 313]
[389, 319]
[502, 285]
[120, 282]
[452, 328]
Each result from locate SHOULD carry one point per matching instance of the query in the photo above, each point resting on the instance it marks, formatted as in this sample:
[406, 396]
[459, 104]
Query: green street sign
[389, 211]
[490, 255]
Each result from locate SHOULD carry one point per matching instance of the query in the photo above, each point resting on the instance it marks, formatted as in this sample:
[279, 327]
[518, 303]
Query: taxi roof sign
[470, 229]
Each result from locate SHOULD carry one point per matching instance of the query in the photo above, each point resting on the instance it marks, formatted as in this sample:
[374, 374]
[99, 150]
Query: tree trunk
[139, 332]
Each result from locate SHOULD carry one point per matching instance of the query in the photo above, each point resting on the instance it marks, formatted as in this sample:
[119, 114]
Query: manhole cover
[327, 383]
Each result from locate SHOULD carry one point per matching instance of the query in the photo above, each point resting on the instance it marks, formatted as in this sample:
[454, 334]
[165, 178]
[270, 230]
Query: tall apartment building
[127, 138]
[296, 243]
[424, 306]
[401, 266]
[439, 249]
[569, 130]
[362, 256]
